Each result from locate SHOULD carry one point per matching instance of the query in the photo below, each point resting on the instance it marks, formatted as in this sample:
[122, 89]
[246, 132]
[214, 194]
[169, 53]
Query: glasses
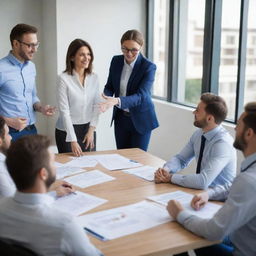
[126, 50]
[32, 45]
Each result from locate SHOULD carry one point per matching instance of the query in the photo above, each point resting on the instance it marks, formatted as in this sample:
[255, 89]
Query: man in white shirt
[7, 186]
[29, 218]
[237, 217]
[211, 146]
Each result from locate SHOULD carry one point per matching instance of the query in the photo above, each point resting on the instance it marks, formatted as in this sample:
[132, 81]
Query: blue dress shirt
[237, 217]
[17, 88]
[218, 166]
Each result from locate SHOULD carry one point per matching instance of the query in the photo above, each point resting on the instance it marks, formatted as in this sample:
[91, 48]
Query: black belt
[27, 128]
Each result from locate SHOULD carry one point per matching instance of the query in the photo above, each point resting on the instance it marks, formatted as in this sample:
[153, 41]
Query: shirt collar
[247, 161]
[15, 61]
[132, 63]
[33, 198]
[210, 134]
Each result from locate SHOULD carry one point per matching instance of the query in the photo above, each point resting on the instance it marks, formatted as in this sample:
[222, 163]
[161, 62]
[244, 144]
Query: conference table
[165, 239]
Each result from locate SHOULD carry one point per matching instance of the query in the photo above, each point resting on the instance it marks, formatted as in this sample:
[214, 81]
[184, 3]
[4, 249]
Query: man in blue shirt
[18, 96]
[211, 145]
[237, 217]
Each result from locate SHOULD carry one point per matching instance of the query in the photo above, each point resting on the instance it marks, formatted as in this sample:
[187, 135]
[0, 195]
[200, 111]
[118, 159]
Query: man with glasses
[18, 96]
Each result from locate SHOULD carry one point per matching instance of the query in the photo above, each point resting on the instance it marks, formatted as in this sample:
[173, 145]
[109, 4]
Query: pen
[95, 234]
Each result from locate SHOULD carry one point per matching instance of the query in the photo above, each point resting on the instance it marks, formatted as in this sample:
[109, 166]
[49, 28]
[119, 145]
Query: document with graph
[125, 220]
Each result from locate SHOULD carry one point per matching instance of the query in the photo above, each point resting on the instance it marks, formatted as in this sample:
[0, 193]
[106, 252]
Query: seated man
[7, 187]
[237, 217]
[29, 218]
[211, 145]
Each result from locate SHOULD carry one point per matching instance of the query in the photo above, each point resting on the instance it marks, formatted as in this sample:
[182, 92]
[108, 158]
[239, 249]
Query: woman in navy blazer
[130, 81]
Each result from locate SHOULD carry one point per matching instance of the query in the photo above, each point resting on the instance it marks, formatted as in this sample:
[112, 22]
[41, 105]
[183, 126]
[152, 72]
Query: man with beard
[18, 96]
[7, 186]
[237, 217]
[29, 218]
[211, 145]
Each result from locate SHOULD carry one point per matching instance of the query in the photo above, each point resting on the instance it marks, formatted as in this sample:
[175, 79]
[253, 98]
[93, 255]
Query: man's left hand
[62, 188]
[174, 208]
[48, 110]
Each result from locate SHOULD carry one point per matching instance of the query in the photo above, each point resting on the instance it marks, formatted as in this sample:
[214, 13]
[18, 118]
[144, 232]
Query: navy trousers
[126, 135]
[30, 129]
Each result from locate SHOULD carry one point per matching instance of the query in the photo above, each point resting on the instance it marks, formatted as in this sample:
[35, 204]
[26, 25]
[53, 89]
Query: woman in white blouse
[77, 99]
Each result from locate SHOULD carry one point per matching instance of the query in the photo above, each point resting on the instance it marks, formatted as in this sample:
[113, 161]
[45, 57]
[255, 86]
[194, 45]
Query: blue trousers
[224, 249]
[30, 129]
[126, 135]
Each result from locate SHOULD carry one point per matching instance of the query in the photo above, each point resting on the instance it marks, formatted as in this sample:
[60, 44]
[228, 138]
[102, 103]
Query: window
[198, 41]
[253, 39]
[159, 46]
[232, 52]
[230, 39]
[228, 66]
[250, 74]
[204, 48]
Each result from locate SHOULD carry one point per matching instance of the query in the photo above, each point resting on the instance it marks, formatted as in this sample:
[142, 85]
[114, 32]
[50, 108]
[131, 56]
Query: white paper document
[64, 171]
[88, 179]
[146, 172]
[78, 202]
[115, 162]
[82, 161]
[185, 198]
[58, 164]
[122, 221]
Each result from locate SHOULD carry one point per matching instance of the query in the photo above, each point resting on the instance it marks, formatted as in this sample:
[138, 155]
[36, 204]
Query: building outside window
[182, 57]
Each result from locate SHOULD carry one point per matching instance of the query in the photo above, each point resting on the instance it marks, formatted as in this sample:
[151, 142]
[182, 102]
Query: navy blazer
[138, 95]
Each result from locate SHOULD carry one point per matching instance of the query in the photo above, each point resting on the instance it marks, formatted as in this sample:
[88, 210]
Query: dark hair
[2, 124]
[25, 157]
[215, 105]
[74, 46]
[250, 118]
[134, 35]
[19, 30]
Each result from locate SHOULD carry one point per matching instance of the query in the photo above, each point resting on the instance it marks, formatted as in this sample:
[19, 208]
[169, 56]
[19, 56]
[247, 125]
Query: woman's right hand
[76, 149]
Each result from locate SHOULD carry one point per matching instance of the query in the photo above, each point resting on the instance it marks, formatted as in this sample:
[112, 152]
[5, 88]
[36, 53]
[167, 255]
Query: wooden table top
[127, 189]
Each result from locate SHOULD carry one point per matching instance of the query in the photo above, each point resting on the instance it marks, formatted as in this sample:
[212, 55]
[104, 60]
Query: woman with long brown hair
[77, 99]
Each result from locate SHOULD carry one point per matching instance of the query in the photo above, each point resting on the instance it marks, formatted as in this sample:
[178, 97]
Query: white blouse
[77, 104]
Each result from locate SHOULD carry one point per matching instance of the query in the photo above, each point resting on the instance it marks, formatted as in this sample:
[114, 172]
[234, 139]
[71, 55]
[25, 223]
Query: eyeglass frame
[32, 45]
[126, 50]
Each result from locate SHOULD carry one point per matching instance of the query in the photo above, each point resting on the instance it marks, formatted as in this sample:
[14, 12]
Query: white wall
[49, 49]
[102, 24]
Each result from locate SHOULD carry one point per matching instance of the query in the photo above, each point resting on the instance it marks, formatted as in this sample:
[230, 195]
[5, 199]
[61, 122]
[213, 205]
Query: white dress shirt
[218, 166]
[31, 220]
[125, 76]
[236, 218]
[7, 186]
[77, 103]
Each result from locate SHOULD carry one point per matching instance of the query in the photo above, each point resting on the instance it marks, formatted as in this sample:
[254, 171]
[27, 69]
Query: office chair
[11, 249]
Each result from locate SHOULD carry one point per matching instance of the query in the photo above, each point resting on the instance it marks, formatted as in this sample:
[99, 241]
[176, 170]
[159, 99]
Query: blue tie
[200, 154]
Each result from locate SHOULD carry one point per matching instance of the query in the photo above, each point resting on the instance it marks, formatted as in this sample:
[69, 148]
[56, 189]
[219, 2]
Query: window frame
[211, 50]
